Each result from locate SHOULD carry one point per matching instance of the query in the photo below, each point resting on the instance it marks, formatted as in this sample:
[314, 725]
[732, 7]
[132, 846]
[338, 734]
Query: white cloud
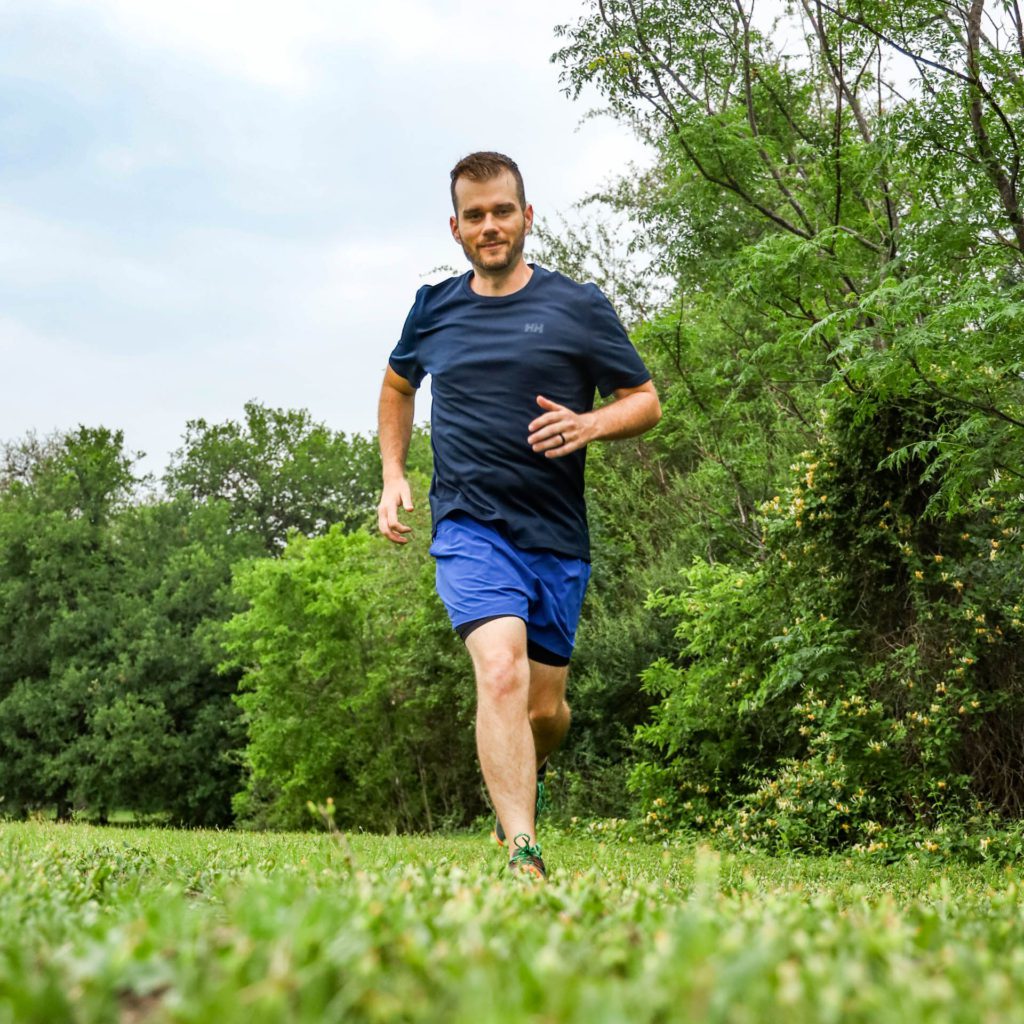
[59, 385]
[261, 41]
[277, 44]
[43, 254]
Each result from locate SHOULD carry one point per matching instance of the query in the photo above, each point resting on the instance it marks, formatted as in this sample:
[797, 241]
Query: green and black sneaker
[543, 804]
[527, 860]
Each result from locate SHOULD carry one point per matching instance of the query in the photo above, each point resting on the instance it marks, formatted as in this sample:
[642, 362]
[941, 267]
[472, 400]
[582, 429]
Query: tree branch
[989, 410]
[748, 95]
[1006, 184]
[889, 41]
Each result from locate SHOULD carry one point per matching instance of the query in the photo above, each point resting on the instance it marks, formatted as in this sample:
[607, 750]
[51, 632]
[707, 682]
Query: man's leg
[504, 737]
[549, 712]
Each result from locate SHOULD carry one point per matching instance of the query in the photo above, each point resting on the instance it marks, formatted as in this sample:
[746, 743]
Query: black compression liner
[534, 651]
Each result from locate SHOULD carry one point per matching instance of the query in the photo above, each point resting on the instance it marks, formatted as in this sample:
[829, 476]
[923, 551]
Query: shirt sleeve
[404, 359]
[615, 363]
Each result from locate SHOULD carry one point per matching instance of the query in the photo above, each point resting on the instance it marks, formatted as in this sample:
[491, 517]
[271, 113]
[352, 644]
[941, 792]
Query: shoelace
[543, 799]
[524, 851]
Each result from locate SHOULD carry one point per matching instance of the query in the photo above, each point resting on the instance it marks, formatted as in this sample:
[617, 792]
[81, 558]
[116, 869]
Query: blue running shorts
[481, 575]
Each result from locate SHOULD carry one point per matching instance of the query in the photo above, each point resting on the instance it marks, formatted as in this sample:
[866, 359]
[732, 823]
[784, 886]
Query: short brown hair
[486, 165]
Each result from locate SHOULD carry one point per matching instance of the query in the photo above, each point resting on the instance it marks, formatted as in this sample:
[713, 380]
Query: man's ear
[453, 223]
[528, 217]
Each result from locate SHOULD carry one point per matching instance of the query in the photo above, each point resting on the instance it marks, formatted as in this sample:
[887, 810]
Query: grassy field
[131, 925]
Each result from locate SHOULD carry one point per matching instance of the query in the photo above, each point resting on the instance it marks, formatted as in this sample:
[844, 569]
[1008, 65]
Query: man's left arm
[559, 431]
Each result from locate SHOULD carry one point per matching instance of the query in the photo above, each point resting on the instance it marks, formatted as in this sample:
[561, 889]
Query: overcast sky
[207, 201]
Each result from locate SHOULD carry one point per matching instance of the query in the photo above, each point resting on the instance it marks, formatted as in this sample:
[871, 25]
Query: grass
[102, 924]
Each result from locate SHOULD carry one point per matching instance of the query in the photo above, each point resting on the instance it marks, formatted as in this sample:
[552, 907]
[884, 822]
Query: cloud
[261, 41]
[279, 45]
[58, 385]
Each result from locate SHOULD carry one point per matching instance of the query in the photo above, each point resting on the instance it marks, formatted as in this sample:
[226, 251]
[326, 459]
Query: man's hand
[394, 428]
[560, 430]
[396, 493]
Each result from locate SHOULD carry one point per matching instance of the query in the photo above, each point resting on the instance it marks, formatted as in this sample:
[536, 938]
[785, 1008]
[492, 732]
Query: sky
[204, 202]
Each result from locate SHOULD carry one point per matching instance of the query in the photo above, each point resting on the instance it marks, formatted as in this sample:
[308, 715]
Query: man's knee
[547, 710]
[547, 694]
[501, 674]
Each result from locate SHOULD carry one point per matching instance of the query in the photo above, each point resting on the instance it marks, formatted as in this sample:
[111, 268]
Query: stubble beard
[513, 254]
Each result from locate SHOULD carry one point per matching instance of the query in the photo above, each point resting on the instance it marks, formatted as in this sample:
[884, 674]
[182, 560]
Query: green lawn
[103, 924]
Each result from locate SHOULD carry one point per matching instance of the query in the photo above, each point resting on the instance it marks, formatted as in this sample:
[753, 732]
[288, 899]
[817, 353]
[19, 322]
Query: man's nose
[490, 222]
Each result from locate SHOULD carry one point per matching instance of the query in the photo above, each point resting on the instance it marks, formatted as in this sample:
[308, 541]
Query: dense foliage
[112, 696]
[835, 204]
[355, 687]
[108, 691]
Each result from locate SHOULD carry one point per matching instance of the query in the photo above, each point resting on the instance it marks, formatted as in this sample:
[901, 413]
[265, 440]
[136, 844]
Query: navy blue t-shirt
[489, 357]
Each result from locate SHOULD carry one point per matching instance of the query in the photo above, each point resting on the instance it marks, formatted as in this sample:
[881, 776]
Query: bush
[354, 688]
[867, 675]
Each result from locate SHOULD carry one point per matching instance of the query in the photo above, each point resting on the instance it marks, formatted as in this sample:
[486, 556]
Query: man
[515, 353]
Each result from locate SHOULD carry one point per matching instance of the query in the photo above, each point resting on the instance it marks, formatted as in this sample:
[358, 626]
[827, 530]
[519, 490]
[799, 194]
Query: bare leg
[549, 712]
[504, 738]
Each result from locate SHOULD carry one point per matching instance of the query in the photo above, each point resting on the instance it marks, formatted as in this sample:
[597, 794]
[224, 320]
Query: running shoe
[527, 860]
[543, 804]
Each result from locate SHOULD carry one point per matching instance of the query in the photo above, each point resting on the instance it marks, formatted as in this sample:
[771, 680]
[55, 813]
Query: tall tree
[60, 571]
[842, 351]
[279, 471]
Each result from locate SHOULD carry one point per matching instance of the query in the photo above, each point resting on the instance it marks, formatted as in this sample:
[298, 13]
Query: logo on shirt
[534, 328]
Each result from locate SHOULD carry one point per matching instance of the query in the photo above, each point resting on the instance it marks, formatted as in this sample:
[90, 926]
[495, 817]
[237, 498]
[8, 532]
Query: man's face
[491, 226]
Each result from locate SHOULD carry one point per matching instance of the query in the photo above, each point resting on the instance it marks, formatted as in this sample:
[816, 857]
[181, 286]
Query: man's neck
[504, 283]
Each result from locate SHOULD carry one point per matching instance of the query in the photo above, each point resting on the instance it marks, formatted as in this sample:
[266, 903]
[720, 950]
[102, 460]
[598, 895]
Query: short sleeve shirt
[489, 357]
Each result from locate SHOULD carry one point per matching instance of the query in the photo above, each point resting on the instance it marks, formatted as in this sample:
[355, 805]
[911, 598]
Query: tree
[165, 736]
[59, 583]
[847, 259]
[279, 471]
[839, 212]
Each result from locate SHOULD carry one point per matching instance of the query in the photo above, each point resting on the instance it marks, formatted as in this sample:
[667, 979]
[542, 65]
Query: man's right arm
[394, 431]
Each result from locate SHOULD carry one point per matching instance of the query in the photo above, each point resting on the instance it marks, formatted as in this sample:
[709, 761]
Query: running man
[515, 353]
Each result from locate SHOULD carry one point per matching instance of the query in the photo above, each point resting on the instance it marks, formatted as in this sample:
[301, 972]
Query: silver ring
[562, 436]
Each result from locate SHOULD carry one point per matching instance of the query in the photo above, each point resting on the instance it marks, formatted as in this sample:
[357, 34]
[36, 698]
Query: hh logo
[534, 328]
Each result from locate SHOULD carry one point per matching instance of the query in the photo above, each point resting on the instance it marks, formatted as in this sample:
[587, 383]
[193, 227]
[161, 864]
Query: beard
[501, 259]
